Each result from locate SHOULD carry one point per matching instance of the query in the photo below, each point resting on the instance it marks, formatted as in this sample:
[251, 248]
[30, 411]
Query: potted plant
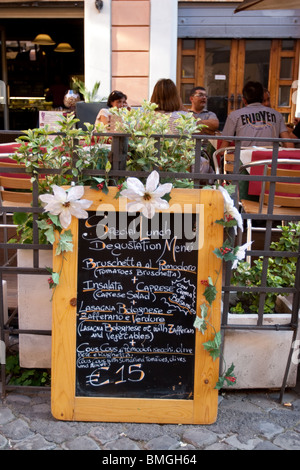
[261, 356]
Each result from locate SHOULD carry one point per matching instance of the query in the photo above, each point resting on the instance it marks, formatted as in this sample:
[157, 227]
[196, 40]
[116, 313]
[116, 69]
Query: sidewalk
[248, 420]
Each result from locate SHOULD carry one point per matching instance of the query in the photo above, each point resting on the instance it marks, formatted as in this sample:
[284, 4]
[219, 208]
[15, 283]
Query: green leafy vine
[227, 252]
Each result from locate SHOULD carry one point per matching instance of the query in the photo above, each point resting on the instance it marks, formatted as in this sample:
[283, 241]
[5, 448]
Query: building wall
[129, 45]
[97, 46]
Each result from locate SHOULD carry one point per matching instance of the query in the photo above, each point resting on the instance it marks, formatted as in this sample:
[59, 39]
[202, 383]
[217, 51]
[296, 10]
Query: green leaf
[227, 223]
[48, 230]
[65, 242]
[200, 322]
[108, 166]
[55, 278]
[20, 218]
[220, 383]
[227, 377]
[105, 188]
[210, 293]
[213, 347]
[55, 220]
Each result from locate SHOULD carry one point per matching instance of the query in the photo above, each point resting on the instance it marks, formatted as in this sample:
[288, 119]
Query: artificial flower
[240, 254]
[66, 203]
[229, 208]
[146, 199]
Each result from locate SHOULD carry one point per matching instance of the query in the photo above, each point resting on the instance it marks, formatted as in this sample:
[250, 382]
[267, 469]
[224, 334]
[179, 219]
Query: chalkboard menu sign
[124, 347]
[136, 304]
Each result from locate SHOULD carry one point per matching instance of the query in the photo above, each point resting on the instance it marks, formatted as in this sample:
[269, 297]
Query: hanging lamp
[43, 40]
[64, 47]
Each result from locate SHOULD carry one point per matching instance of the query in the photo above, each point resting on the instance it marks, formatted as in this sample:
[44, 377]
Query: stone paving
[248, 420]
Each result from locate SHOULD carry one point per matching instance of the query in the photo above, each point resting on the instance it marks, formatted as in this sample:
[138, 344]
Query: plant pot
[34, 311]
[259, 356]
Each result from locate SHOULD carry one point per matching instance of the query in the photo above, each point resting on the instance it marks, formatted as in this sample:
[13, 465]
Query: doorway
[31, 69]
[223, 66]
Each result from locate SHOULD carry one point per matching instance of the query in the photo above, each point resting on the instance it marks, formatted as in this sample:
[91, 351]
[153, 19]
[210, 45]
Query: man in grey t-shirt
[255, 120]
[198, 99]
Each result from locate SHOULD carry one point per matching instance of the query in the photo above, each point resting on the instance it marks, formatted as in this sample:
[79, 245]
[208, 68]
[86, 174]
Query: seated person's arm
[224, 143]
[212, 126]
[102, 117]
[286, 135]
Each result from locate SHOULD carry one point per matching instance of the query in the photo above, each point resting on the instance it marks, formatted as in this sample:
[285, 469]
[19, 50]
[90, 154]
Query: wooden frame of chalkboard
[92, 337]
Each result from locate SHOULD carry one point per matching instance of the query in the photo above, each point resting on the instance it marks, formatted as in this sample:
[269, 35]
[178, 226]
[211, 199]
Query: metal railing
[119, 149]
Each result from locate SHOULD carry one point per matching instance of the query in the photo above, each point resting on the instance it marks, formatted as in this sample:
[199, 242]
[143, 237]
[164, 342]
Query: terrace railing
[119, 149]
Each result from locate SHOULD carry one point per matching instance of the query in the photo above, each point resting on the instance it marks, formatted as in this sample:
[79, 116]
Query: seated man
[255, 120]
[295, 131]
[198, 98]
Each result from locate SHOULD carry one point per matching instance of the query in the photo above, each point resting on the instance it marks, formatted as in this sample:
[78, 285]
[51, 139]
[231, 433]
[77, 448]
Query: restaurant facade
[129, 44]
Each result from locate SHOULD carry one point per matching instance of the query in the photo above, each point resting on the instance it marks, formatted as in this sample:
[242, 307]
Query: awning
[268, 5]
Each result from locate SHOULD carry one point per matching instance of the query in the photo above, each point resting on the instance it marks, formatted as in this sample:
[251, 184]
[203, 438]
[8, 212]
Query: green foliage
[25, 377]
[280, 273]
[174, 155]
[48, 225]
[227, 378]
[53, 280]
[213, 346]
[65, 242]
[89, 96]
[226, 252]
[210, 291]
[72, 148]
[200, 322]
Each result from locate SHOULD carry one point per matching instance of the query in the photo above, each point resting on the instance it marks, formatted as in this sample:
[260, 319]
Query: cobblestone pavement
[250, 420]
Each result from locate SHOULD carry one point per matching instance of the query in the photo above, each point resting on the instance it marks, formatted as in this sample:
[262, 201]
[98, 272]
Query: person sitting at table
[198, 98]
[167, 98]
[267, 98]
[295, 131]
[255, 120]
[117, 99]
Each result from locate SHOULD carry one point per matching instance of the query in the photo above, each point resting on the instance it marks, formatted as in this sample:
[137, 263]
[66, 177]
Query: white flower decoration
[66, 203]
[240, 254]
[146, 199]
[230, 209]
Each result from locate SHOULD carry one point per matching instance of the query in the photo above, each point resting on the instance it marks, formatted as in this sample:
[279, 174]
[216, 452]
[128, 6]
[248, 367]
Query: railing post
[197, 165]
[2, 341]
[119, 149]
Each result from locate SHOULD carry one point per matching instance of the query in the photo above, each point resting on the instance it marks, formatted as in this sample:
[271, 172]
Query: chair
[15, 191]
[21, 194]
[223, 158]
[20, 183]
[286, 198]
